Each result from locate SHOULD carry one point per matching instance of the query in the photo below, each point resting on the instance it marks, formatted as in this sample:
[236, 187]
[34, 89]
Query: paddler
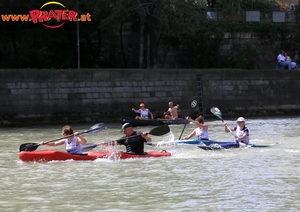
[201, 131]
[72, 143]
[133, 140]
[242, 132]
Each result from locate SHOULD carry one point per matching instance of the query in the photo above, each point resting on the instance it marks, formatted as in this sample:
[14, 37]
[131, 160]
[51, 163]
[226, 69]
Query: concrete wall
[69, 96]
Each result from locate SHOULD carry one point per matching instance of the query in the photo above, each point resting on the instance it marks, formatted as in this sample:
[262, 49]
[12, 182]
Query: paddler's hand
[42, 143]
[109, 143]
[103, 143]
[145, 136]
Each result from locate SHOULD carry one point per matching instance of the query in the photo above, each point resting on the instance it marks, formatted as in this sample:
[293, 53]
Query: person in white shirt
[201, 131]
[281, 60]
[144, 112]
[242, 132]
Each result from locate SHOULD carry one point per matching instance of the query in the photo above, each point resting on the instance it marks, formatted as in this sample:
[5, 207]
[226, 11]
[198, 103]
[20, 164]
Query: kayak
[208, 144]
[56, 155]
[182, 142]
[228, 145]
[154, 122]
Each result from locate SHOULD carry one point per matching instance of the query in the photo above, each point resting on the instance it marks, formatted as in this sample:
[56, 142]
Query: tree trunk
[154, 37]
[122, 45]
[143, 44]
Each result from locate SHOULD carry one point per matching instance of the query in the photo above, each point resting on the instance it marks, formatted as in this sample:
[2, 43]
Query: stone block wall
[68, 96]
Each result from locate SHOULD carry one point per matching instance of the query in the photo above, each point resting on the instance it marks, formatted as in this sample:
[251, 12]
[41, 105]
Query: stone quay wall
[98, 95]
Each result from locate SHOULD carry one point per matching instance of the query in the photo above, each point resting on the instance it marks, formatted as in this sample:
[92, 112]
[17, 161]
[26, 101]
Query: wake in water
[167, 140]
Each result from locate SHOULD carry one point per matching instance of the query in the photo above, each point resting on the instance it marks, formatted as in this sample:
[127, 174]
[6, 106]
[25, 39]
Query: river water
[252, 179]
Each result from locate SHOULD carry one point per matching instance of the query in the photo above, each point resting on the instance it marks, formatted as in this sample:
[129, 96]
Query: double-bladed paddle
[157, 131]
[194, 104]
[218, 113]
[33, 146]
[183, 129]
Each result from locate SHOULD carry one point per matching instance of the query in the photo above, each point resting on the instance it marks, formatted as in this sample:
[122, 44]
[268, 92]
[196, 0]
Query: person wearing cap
[242, 132]
[133, 140]
[172, 113]
[144, 112]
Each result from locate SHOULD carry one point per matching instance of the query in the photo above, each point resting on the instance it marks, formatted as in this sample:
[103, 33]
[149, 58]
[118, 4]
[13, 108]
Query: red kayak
[50, 155]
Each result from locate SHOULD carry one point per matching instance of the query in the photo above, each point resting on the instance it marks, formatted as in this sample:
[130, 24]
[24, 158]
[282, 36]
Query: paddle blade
[216, 112]
[194, 103]
[96, 128]
[88, 147]
[28, 147]
[161, 130]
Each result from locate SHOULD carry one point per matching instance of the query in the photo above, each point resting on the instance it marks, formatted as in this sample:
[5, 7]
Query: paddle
[157, 131]
[194, 104]
[218, 113]
[33, 146]
[183, 129]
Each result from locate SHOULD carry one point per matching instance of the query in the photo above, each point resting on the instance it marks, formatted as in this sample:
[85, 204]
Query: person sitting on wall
[288, 58]
[281, 61]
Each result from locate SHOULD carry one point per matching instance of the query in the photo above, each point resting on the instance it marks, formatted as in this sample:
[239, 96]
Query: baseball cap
[240, 119]
[142, 105]
[124, 126]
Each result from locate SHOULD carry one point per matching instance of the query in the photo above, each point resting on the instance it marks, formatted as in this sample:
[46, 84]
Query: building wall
[68, 96]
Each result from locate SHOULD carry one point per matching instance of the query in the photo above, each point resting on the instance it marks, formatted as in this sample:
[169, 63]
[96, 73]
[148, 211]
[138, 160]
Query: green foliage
[203, 49]
[244, 56]
[238, 6]
[174, 24]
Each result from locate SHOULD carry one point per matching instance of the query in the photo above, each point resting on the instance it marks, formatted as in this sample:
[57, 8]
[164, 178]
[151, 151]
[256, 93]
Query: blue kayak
[208, 144]
[228, 145]
[182, 142]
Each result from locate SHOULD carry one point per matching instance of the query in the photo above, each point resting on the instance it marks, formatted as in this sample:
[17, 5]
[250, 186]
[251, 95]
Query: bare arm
[136, 111]
[167, 112]
[198, 124]
[146, 137]
[57, 143]
[190, 135]
[80, 139]
[150, 114]
[242, 137]
[227, 129]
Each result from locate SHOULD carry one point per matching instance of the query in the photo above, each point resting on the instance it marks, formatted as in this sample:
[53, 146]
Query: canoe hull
[54, 155]
[155, 122]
